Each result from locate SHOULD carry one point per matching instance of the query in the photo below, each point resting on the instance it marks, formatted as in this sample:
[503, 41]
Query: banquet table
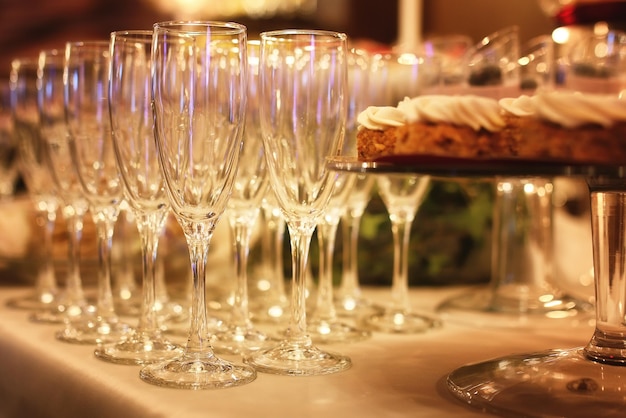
[393, 375]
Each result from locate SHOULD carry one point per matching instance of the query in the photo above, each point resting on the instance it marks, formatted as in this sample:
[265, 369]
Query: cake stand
[572, 382]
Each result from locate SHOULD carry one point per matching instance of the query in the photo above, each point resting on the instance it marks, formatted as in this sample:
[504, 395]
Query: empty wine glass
[199, 95]
[74, 206]
[135, 153]
[402, 195]
[41, 189]
[270, 302]
[324, 326]
[239, 334]
[86, 81]
[349, 300]
[303, 112]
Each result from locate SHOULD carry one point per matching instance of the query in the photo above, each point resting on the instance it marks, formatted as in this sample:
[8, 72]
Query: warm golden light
[219, 9]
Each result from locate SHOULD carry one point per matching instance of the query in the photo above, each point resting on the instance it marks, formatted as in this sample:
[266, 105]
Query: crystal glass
[74, 206]
[239, 334]
[395, 75]
[402, 195]
[492, 65]
[269, 301]
[324, 325]
[199, 79]
[8, 145]
[349, 300]
[303, 109]
[86, 78]
[135, 153]
[41, 189]
[595, 64]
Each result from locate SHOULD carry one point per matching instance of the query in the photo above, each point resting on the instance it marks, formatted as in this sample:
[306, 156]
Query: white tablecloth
[391, 376]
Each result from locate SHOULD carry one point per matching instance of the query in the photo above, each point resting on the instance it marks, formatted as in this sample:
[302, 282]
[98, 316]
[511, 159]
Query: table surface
[391, 375]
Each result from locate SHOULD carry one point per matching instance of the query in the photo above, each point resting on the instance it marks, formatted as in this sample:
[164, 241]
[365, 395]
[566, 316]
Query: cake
[554, 125]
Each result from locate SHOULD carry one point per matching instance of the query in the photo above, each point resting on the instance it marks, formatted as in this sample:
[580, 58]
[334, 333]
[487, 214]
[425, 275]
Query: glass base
[554, 383]
[48, 316]
[296, 359]
[333, 332]
[197, 371]
[401, 322]
[180, 326]
[240, 340]
[350, 306]
[34, 302]
[138, 348]
[97, 330]
[271, 311]
[486, 308]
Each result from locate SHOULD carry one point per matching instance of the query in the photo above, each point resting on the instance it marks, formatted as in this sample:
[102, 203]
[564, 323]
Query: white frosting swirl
[379, 118]
[569, 109]
[468, 110]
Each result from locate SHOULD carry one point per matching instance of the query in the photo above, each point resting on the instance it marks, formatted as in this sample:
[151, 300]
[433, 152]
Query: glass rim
[178, 26]
[287, 35]
[94, 42]
[132, 33]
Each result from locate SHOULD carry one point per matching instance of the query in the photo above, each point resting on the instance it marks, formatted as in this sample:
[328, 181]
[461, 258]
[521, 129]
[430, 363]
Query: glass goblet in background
[199, 78]
[86, 87]
[324, 326]
[135, 154]
[402, 195]
[239, 334]
[303, 113]
[42, 191]
[269, 302]
[349, 300]
[72, 302]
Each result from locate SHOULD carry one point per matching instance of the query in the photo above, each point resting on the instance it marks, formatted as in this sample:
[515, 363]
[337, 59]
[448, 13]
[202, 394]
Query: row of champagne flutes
[156, 119]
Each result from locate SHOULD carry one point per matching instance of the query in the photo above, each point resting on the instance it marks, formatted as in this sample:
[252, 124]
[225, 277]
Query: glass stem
[46, 286]
[522, 243]
[273, 251]
[300, 238]
[350, 275]
[198, 342]
[325, 308]
[125, 287]
[150, 226]
[401, 231]
[608, 222]
[241, 232]
[74, 294]
[105, 221]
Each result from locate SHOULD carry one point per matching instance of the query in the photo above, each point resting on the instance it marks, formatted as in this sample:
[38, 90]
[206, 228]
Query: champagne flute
[239, 334]
[199, 77]
[303, 113]
[32, 153]
[86, 80]
[74, 206]
[402, 195]
[324, 326]
[135, 153]
[349, 300]
[270, 302]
